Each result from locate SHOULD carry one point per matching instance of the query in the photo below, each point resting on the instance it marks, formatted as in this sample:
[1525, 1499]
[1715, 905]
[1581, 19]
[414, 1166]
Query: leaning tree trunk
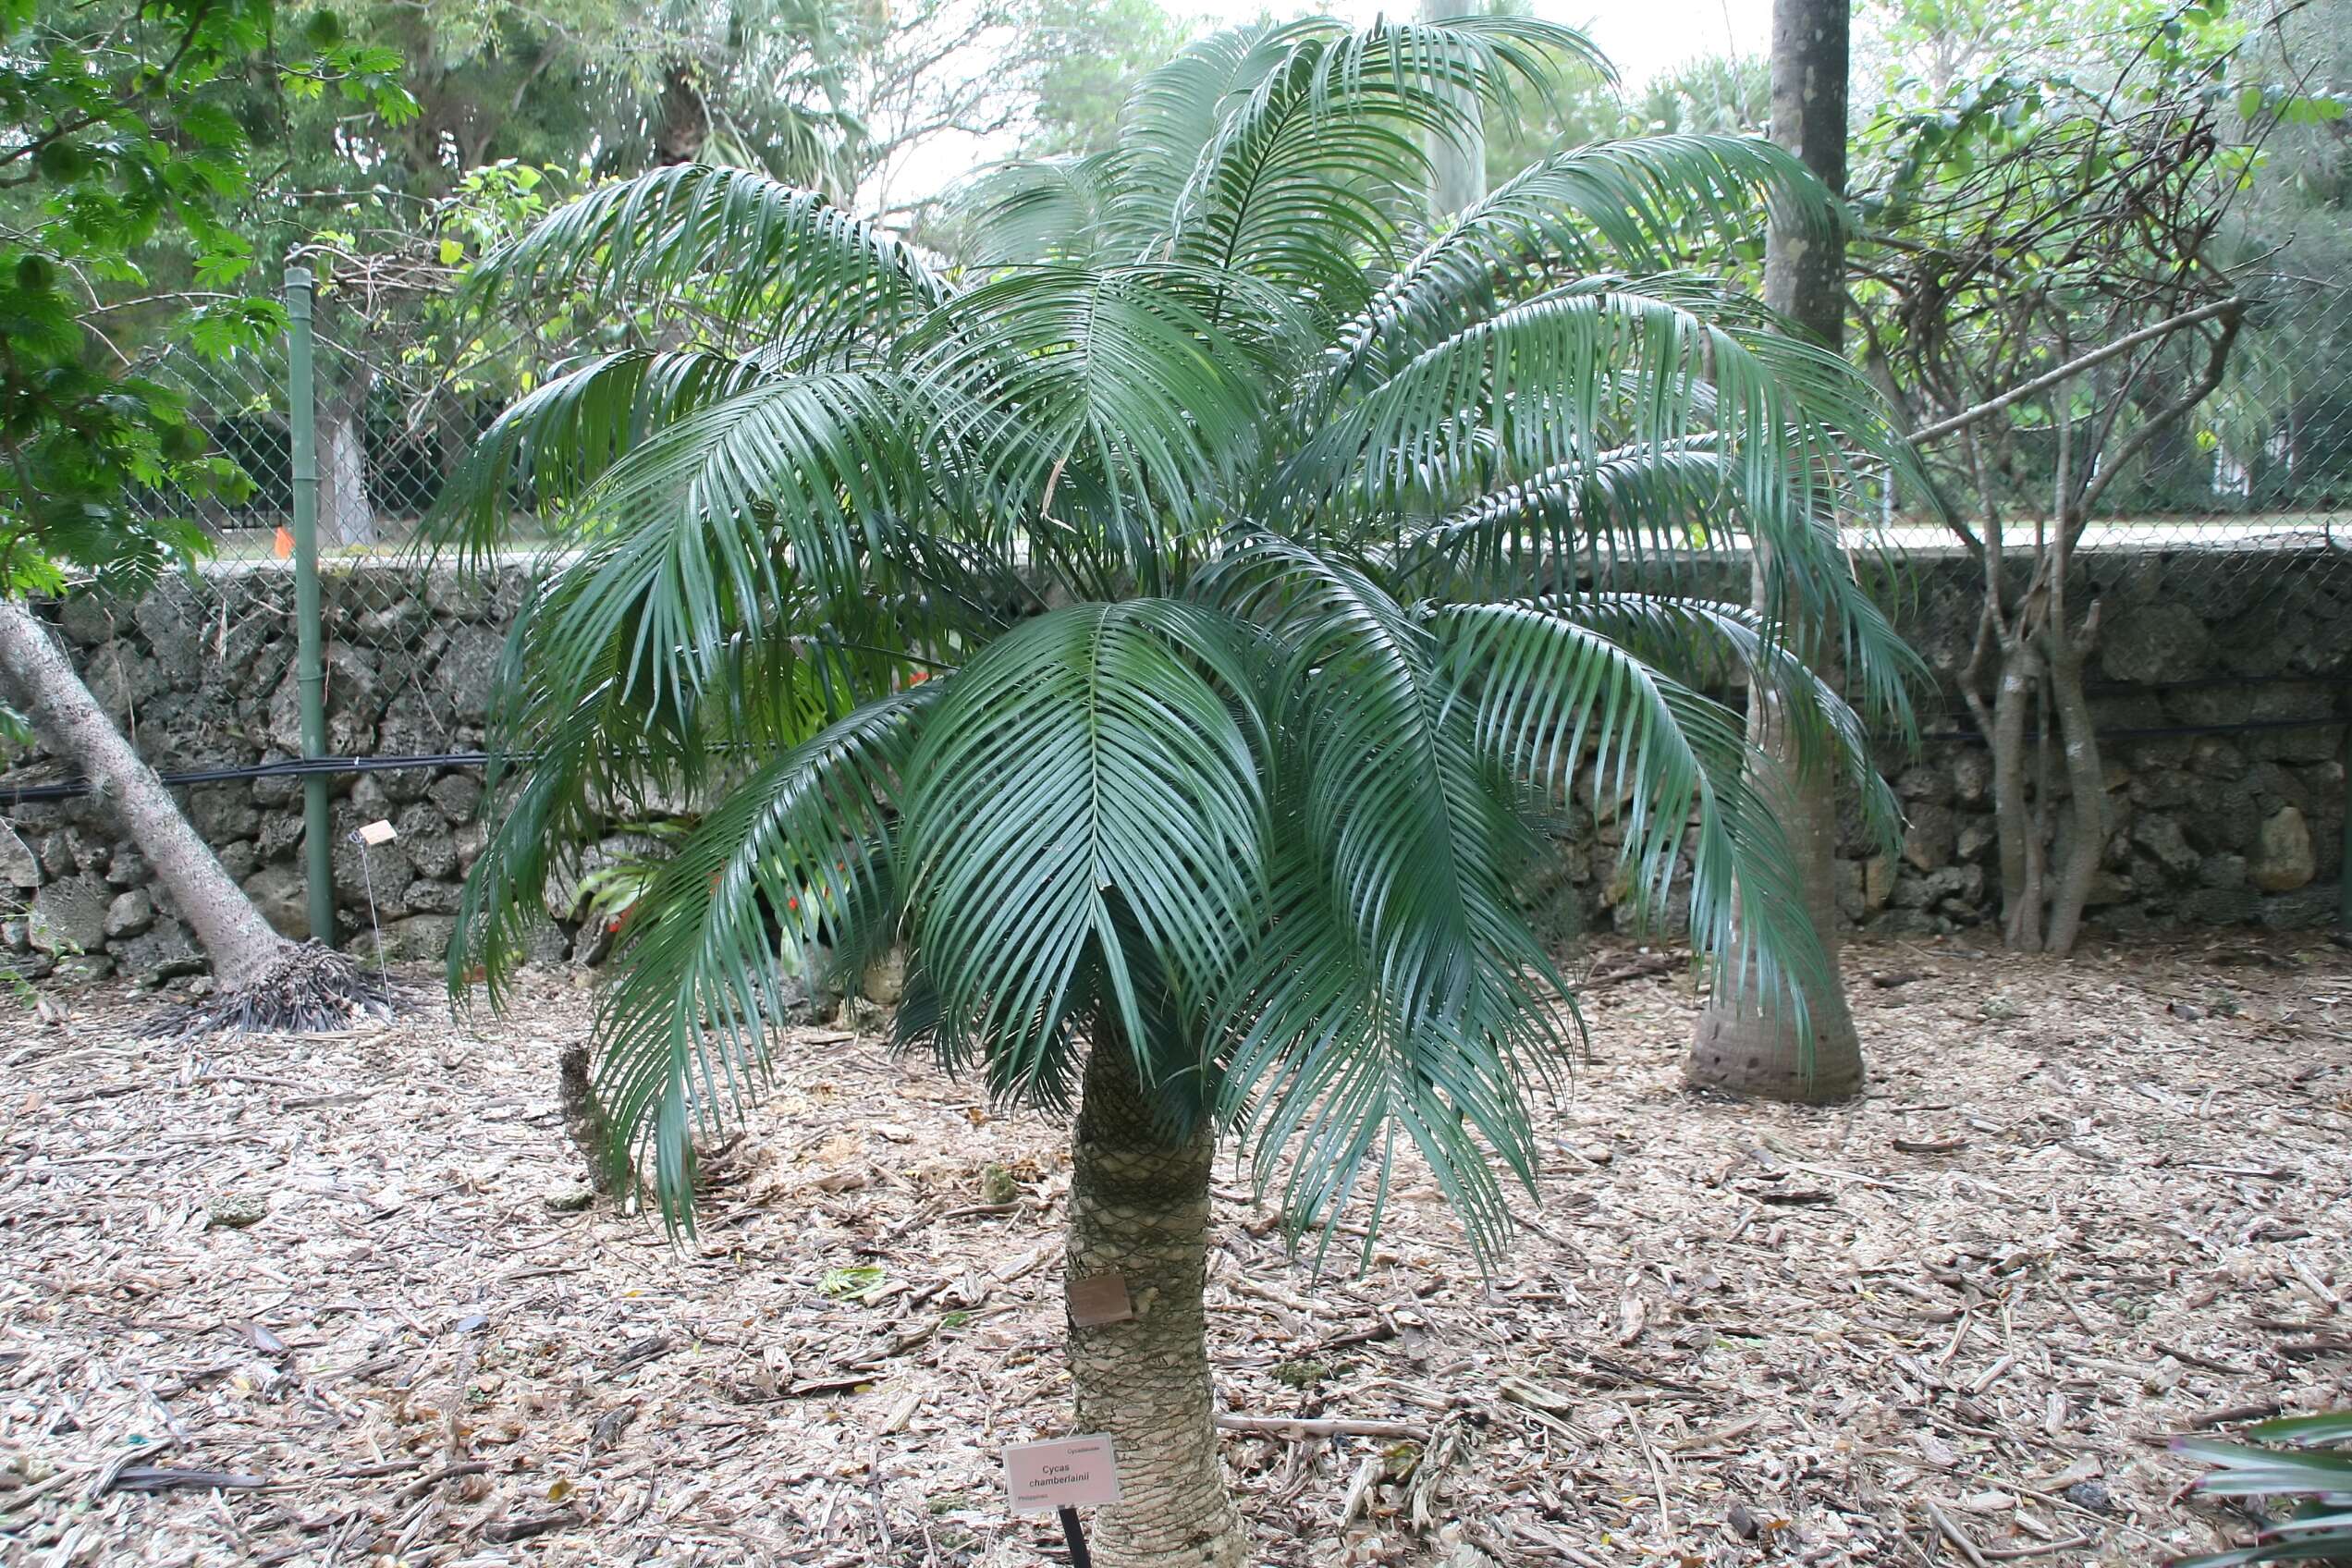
[242, 946]
[1139, 1208]
[1747, 1042]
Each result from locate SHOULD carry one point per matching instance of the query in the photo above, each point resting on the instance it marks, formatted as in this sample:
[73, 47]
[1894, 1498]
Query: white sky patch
[1644, 38]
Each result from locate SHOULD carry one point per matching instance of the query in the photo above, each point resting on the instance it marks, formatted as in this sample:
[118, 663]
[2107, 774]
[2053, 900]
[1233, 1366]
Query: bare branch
[2233, 307]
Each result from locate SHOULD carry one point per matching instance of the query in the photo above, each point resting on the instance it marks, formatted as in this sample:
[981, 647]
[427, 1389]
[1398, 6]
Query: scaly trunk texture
[684, 118]
[242, 947]
[1746, 1043]
[1139, 1208]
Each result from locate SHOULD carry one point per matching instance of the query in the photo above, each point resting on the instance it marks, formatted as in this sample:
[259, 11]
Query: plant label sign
[377, 833]
[1100, 1300]
[1073, 1473]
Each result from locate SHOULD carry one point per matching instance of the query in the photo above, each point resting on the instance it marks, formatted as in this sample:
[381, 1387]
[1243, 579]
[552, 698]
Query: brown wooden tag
[1101, 1300]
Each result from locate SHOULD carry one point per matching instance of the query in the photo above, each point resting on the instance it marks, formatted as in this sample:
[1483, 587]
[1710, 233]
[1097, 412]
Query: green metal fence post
[310, 662]
[2344, 867]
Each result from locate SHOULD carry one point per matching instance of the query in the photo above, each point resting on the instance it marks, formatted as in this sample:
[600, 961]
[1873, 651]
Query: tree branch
[2232, 308]
[2215, 363]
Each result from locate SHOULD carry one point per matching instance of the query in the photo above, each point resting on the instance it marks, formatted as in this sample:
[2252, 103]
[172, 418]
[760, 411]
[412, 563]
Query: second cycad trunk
[1749, 1043]
[1139, 1208]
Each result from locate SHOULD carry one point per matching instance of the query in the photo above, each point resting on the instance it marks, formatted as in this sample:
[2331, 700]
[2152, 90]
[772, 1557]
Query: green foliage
[1090, 53]
[2285, 1469]
[1171, 628]
[126, 151]
[2035, 183]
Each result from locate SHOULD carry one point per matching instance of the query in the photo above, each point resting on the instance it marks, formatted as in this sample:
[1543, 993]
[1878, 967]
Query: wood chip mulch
[334, 1300]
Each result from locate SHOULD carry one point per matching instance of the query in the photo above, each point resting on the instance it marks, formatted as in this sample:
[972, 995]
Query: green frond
[1097, 399]
[1331, 1059]
[535, 809]
[1397, 978]
[576, 748]
[551, 444]
[1548, 689]
[1085, 832]
[813, 463]
[1649, 511]
[1639, 206]
[1174, 111]
[702, 967]
[1296, 153]
[736, 243]
[1701, 640]
[1041, 210]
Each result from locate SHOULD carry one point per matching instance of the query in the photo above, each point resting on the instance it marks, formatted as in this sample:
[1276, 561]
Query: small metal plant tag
[1101, 1300]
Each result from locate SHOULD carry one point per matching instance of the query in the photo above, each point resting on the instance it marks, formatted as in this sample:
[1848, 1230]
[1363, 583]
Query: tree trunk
[2085, 782]
[1805, 274]
[241, 944]
[684, 122]
[346, 516]
[1458, 171]
[1749, 1043]
[1139, 1208]
[2021, 869]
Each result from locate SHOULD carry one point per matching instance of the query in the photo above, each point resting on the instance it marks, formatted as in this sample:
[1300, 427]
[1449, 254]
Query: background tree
[1269, 562]
[1753, 1041]
[2045, 288]
[126, 154]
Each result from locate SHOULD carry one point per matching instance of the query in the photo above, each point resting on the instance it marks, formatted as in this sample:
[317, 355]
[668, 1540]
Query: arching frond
[1637, 206]
[1042, 210]
[1653, 511]
[702, 967]
[1103, 396]
[1548, 384]
[1398, 985]
[813, 463]
[739, 244]
[1086, 832]
[551, 444]
[1293, 153]
[1545, 686]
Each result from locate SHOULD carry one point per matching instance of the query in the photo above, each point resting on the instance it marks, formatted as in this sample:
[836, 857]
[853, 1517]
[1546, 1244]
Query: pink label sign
[1073, 1473]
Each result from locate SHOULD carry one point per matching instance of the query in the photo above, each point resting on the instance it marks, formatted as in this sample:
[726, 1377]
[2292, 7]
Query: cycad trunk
[1751, 1044]
[242, 945]
[1746, 1043]
[1139, 1208]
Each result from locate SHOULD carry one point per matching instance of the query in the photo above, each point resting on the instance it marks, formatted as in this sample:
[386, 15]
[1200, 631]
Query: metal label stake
[1059, 1478]
[1076, 1534]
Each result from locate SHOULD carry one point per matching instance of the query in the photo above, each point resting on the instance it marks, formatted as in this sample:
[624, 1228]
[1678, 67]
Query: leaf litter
[339, 1299]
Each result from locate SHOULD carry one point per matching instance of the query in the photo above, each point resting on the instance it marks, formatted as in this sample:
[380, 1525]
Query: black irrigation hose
[15, 794]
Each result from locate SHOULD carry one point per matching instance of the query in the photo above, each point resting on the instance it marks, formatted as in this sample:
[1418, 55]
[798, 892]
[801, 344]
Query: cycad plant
[1174, 625]
[2305, 1460]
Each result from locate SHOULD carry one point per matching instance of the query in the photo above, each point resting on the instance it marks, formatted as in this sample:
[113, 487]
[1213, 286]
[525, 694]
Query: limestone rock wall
[2204, 828]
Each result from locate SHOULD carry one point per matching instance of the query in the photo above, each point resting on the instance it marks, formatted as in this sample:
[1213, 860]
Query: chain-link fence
[207, 672]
